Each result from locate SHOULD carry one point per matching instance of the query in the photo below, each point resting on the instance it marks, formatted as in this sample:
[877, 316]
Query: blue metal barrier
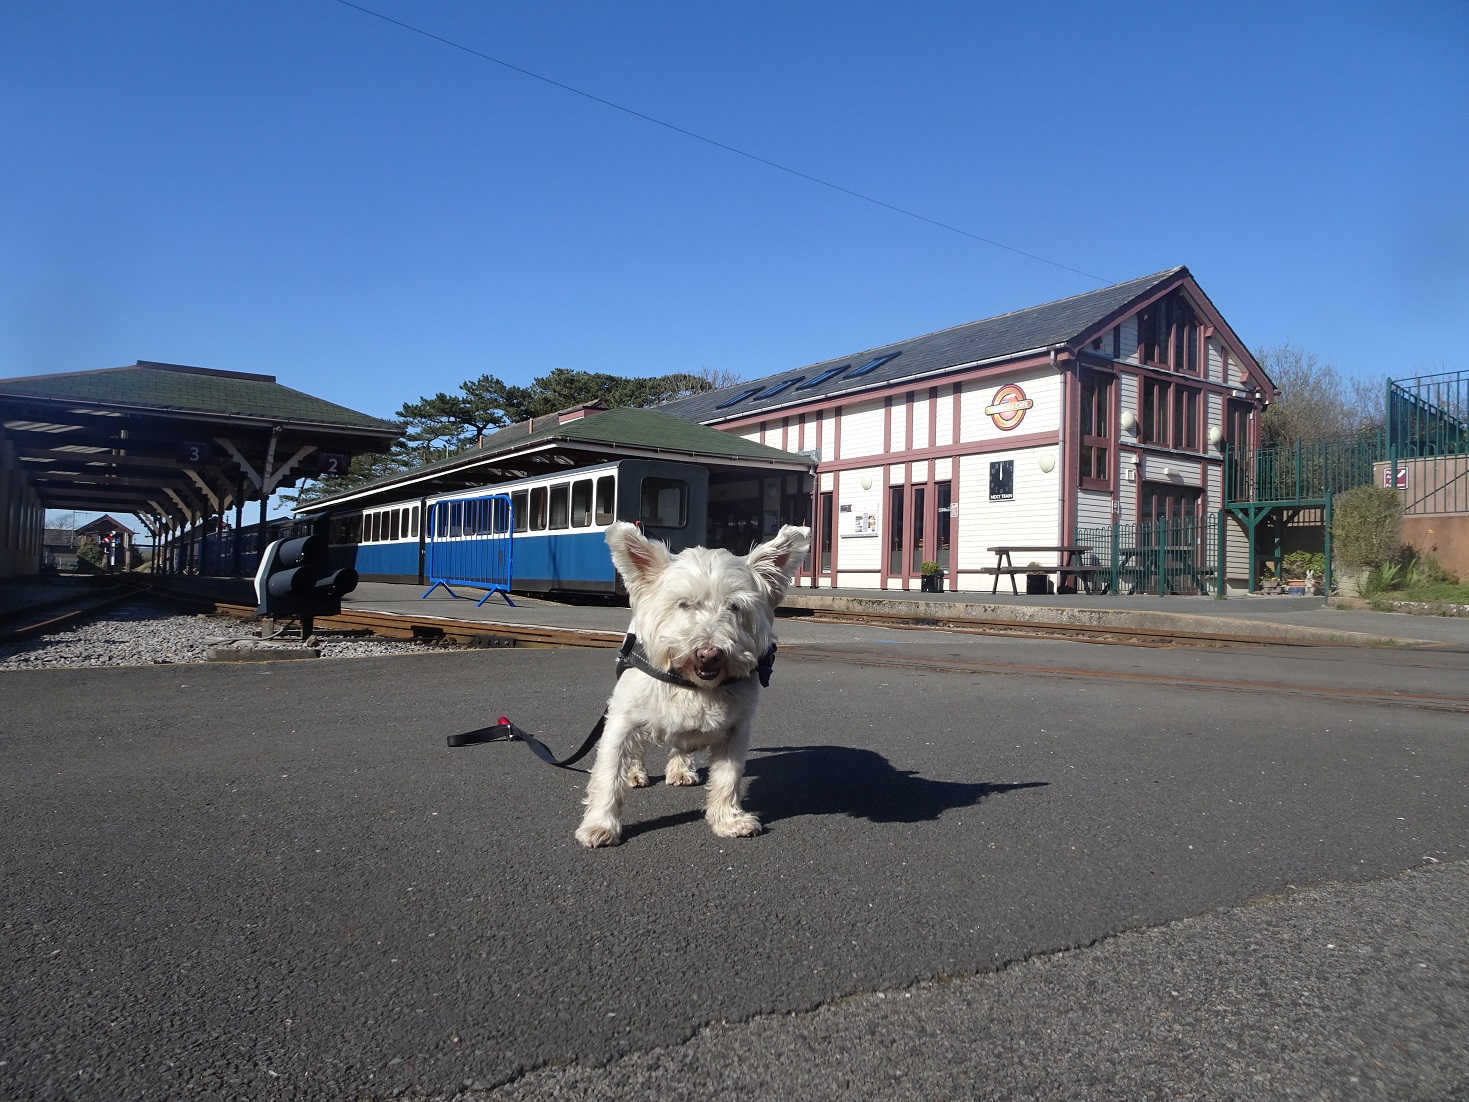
[470, 543]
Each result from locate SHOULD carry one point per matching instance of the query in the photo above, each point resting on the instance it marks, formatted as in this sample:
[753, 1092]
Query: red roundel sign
[1007, 408]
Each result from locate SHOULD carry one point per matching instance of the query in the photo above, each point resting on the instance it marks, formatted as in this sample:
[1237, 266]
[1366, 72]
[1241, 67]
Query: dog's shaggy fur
[708, 616]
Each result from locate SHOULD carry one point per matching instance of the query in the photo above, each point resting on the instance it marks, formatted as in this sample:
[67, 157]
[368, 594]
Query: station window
[605, 500]
[538, 509]
[664, 503]
[581, 503]
[559, 496]
[518, 507]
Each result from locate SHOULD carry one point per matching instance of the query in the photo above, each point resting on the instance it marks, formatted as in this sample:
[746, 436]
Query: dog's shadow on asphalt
[790, 781]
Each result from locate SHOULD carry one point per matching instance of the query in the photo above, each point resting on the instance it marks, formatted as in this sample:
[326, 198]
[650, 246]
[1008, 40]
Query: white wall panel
[922, 411]
[862, 429]
[828, 434]
[898, 433]
[1030, 518]
[1127, 488]
[1129, 340]
[859, 551]
[944, 412]
[1042, 387]
[1128, 394]
[1215, 361]
[1093, 508]
[1213, 488]
[1181, 472]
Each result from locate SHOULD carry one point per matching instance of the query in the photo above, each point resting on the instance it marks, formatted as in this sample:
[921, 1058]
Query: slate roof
[179, 388]
[643, 429]
[1036, 327]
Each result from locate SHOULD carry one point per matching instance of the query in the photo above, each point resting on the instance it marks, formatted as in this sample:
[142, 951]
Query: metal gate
[470, 542]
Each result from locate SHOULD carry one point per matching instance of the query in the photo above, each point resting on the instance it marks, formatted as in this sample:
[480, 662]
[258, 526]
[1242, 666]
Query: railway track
[42, 619]
[66, 612]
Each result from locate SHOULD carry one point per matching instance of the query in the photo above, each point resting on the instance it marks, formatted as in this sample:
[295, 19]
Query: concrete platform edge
[981, 612]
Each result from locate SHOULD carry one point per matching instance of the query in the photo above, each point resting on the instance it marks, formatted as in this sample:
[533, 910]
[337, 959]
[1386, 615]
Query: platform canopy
[170, 443]
[578, 437]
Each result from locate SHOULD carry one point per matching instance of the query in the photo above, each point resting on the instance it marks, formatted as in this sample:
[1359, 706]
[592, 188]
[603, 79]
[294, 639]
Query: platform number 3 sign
[193, 452]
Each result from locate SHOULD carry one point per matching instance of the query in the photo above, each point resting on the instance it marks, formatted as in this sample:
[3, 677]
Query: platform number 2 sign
[332, 464]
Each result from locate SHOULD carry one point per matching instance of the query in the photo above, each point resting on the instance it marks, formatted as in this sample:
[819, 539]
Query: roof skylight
[738, 398]
[829, 373]
[874, 363]
[779, 388]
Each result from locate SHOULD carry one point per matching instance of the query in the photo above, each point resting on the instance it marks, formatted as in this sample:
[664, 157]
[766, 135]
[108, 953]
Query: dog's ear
[638, 559]
[776, 560]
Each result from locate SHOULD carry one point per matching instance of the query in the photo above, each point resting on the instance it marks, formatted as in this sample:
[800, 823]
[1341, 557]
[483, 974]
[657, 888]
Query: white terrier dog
[706, 619]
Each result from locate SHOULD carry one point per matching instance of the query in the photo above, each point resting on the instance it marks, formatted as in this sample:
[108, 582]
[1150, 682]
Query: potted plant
[1038, 580]
[1302, 571]
[932, 577]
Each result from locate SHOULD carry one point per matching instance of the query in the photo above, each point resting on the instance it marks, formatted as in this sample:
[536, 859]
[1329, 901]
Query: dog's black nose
[708, 661]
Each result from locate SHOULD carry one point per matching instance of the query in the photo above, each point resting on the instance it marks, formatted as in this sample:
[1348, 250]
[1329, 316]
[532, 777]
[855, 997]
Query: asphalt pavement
[277, 881]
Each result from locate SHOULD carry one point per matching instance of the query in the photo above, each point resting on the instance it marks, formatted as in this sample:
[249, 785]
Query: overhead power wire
[738, 152]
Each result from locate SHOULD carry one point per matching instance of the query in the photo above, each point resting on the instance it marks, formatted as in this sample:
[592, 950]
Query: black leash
[630, 656]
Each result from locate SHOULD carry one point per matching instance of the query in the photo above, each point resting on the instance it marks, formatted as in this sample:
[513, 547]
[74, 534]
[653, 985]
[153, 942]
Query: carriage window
[393, 525]
[604, 500]
[665, 503]
[581, 503]
[558, 505]
[502, 515]
[518, 505]
[377, 527]
[538, 509]
[413, 519]
[403, 531]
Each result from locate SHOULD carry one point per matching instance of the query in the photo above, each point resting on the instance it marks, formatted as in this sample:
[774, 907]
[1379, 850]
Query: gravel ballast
[142, 634]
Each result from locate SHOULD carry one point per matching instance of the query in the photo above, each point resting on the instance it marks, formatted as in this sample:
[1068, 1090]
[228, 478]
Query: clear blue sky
[293, 187]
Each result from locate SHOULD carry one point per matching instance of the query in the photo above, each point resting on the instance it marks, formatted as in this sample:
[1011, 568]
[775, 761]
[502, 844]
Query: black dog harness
[630, 656]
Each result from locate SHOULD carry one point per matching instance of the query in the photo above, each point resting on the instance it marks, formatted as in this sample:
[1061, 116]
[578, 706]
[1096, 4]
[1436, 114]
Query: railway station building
[1029, 429]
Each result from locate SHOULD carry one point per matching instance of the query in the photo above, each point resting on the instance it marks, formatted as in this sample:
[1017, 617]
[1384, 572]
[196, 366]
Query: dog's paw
[636, 777]
[743, 825]
[594, 835]
[681, 774]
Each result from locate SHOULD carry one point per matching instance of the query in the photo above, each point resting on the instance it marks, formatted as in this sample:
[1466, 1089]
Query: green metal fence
[1303, 471]
[1162, 557]
[1421, 447]
[1427, 442]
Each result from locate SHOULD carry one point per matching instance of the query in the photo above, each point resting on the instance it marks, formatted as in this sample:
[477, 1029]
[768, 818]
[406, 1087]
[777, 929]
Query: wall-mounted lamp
[1046, 462]
[1216, 436]
[866, 481]
[1128, 421]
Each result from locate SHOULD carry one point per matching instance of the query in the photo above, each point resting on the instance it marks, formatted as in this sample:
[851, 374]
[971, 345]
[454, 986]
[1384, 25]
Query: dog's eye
[685, 605]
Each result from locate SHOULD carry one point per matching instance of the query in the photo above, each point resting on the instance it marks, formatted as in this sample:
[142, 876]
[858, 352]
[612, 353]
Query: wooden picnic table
[1068, 563]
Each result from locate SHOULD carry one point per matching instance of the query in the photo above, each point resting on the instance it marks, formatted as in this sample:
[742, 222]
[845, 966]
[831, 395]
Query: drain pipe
[1063, 437]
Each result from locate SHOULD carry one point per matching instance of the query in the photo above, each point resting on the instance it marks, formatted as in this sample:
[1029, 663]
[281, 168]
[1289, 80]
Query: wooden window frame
[1183, 429]
[1103, 401]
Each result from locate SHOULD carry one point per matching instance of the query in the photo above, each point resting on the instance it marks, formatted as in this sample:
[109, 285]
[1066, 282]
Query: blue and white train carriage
[556, 522]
